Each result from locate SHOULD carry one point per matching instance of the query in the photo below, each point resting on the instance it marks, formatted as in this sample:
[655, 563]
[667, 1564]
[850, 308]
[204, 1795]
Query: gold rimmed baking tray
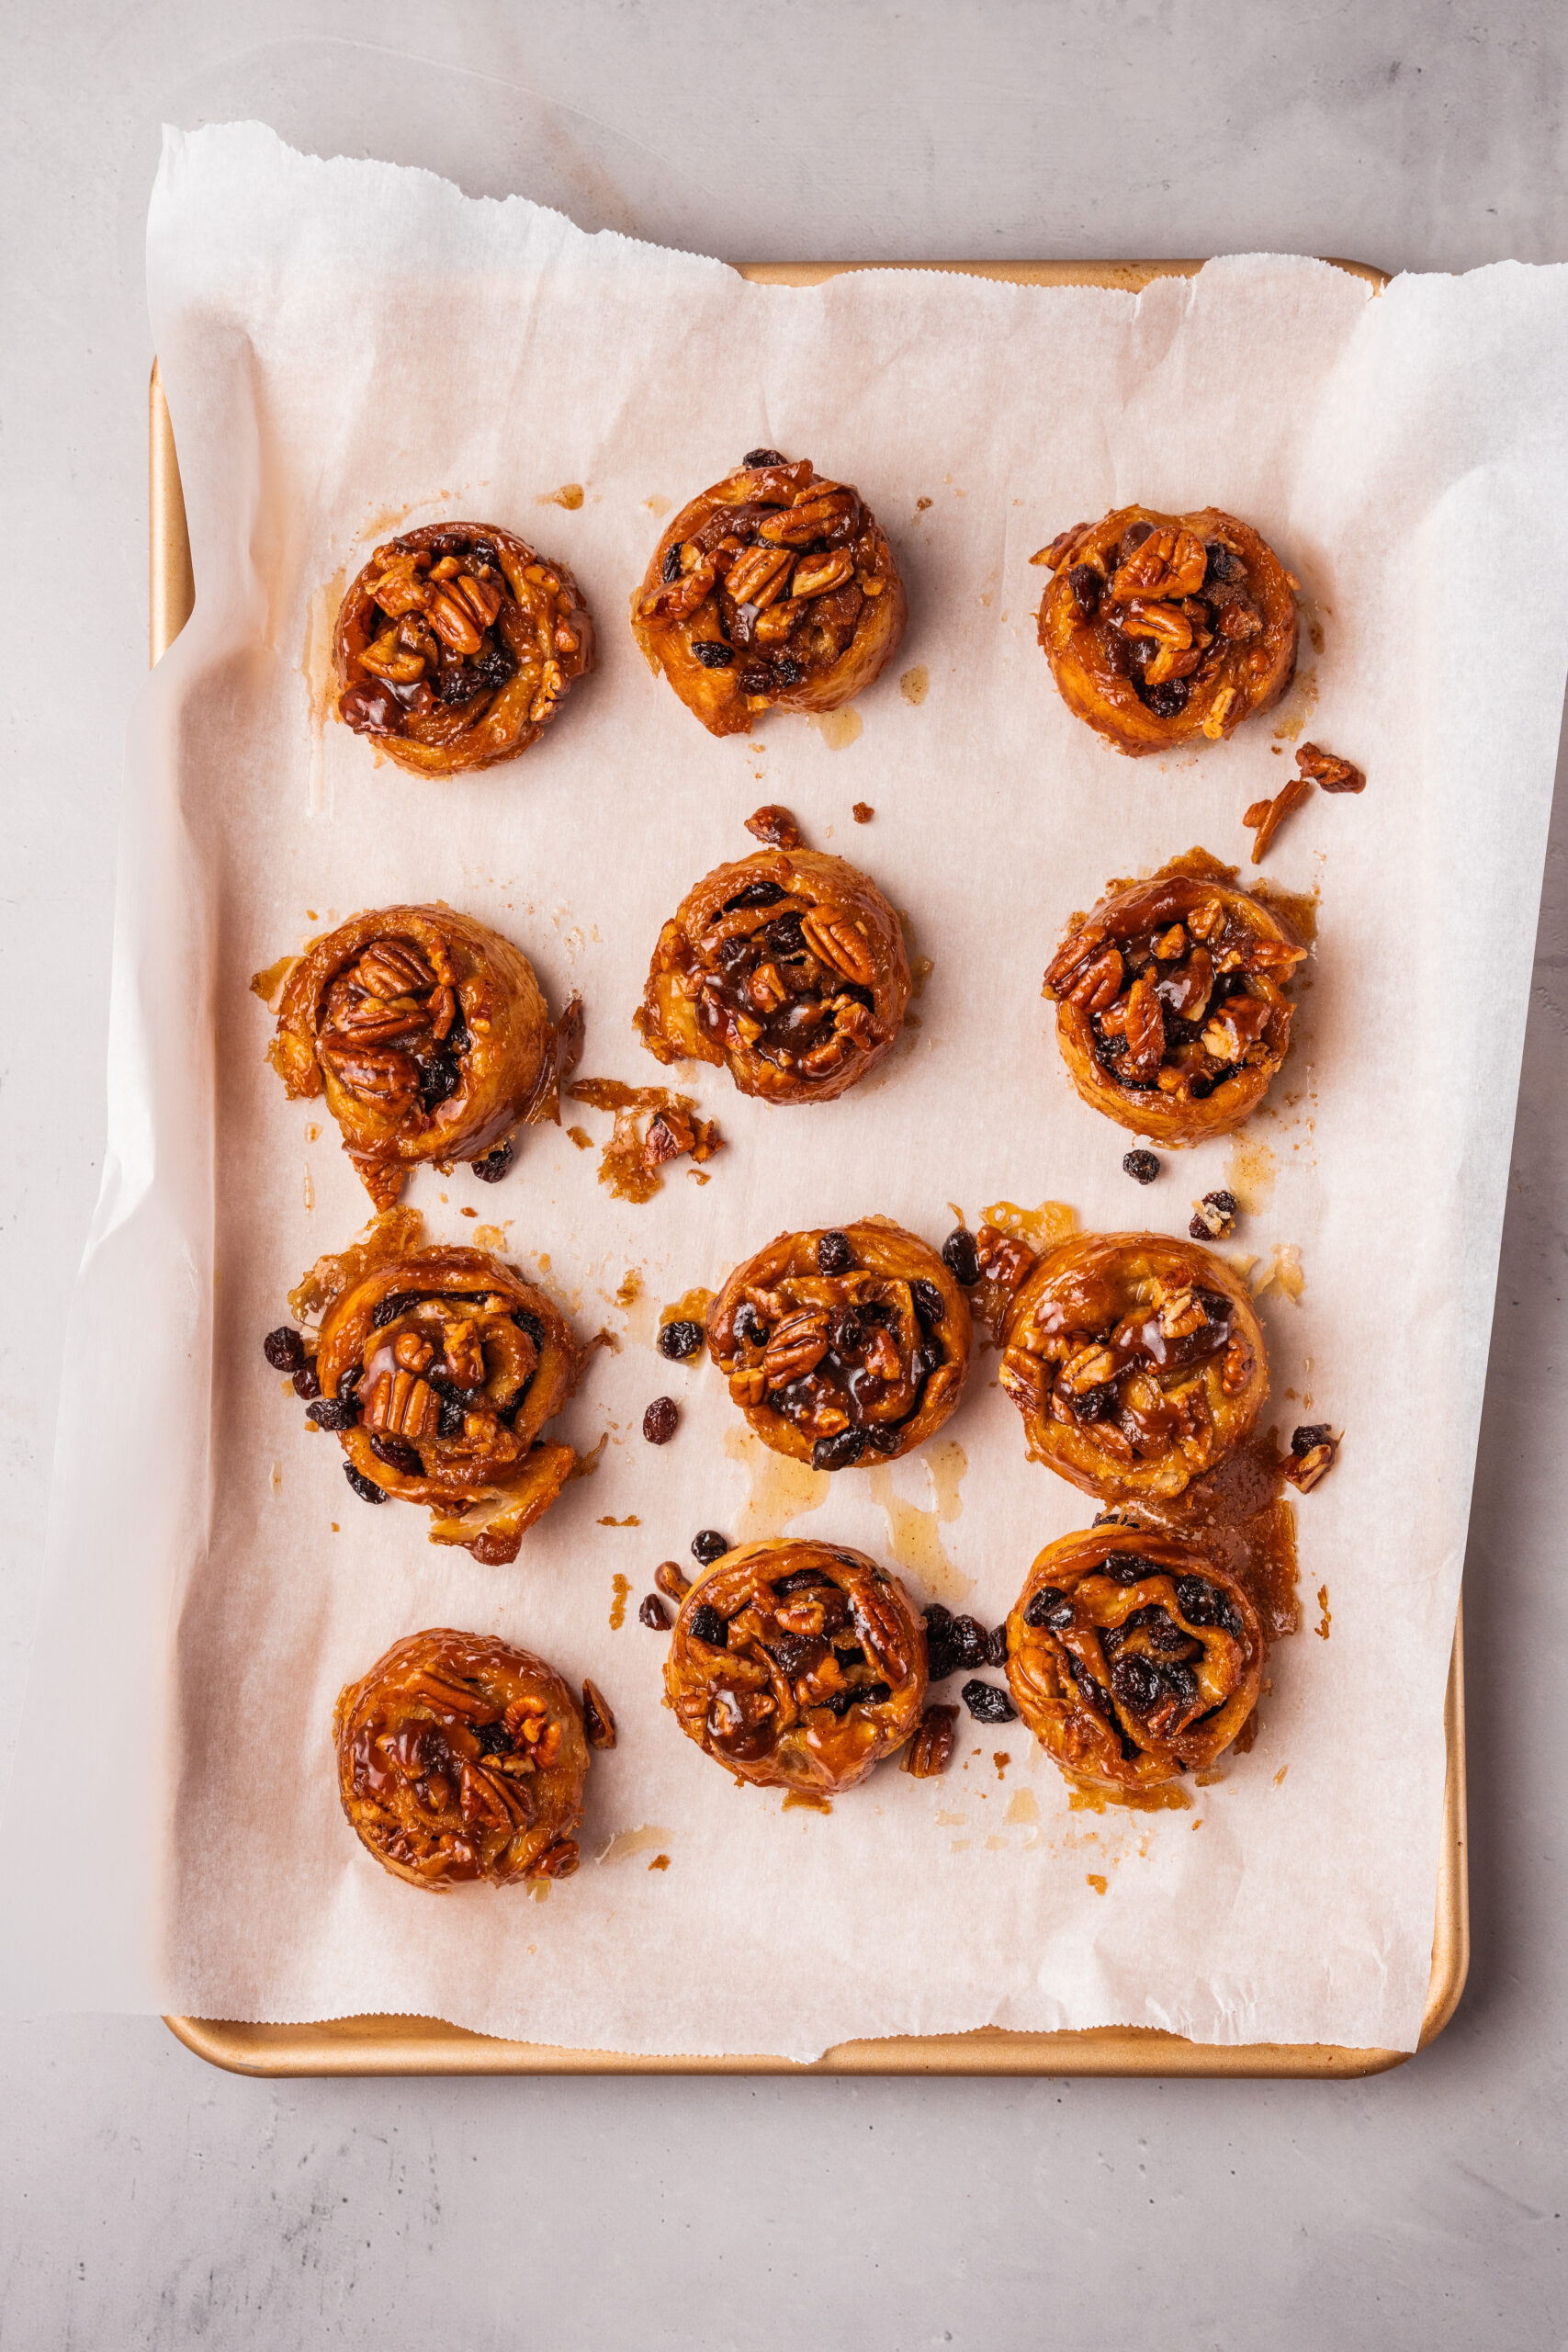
[406, 2045]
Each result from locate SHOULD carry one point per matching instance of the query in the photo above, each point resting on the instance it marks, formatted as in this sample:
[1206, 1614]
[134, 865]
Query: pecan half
[931, 1750]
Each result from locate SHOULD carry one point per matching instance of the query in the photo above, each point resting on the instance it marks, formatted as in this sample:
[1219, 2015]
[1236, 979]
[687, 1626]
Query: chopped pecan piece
[1332, 774]
[1267, 816]
[775, 826]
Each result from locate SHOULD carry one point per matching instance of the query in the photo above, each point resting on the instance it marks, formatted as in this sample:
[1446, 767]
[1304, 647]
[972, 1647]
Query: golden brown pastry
[789, 967]
[1171, 1012]
[428, 1035]
[1137, 1361]
[1132, 1657]
[1159, 627]
[774, 589]
[843, 1345]
[457, 645]
[795, 1666]
[459, 1758]
[437, 1370]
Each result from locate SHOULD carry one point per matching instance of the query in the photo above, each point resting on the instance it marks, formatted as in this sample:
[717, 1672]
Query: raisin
[451, 1421]
[841, 1702]
[756, 678]
[458, 1038]
[1088, 1689]
[679, 1341]
[1086, 584]
[1133, 536]
[997, 1646]
[1169, 697]
[1095, 1403]
[987, 1705]
[802, 1581]
[365, 1488]
[1143, 1167]
[527, 1321]
[495, 1165]
[709, 1545]
[397, 1455]
[941, 1658]
[388, 1309]
[495, 665]
[749, 1328]
[934, 1613]
[755, 894]
[438, 1078]
[875, 1310]
[481, 551]
[653, 1614]
[967, 1636]
[961, 1257]
[493, 1740]
[1180, 1681]
[283, 1349]
[456, 683]
[1049, 1608]
[871, 1694]
[334, 1413]
[712, 656]
[927, 1360]
[1201, 1088]
[930, 1305]
[660, 1420]
[840, 1452]
[884, 1440]
[1202, 1605]
[705, 1624]
[305, 1382]
[792, 1654]
[1309, 1434]
[670, 570]
[348, 1381]
[784, 937]
[1222, 564]
[1135, 1683]
[1127, 1568]
[763, 458]
[787, 671]
[850, 1655]
[834, 1255]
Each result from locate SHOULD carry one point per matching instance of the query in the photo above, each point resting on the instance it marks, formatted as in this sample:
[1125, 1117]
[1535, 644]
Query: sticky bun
[1172, 1011]
[796, 1665]
[789, 967]
[1159, 627]
[459, 1758]
[429, 1037]
[1137, 1362]
[1132, 1657]
[774, 589]
[457, 645]
[437, 1370]
[843, 1346]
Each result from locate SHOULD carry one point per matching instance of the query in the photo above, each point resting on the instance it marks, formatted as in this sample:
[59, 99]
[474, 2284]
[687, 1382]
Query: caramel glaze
[1171, 1012]
[789, 967]
[845, 1345]
[460, 1758]
[796, 1665]
[1133, 1658]
[1238, 1515]
[1137, 1361]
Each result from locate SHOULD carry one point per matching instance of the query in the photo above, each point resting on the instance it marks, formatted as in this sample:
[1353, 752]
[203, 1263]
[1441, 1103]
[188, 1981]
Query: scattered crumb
[622, 1591]
[632, 1522]
[1101, 1885]
[1328, 1619]
[1280, 1774]
[660, 1862]
[1001, 1760]
[581, 1138]
[468, 1212]
[863, 812]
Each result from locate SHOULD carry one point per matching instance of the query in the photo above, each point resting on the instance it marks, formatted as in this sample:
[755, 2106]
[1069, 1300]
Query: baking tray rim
[382, 2044]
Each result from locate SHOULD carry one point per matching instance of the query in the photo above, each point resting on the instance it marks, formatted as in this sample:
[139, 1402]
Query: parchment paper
[348, 347]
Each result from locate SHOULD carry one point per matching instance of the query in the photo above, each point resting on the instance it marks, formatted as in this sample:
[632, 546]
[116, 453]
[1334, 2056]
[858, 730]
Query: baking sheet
[1304, 1913]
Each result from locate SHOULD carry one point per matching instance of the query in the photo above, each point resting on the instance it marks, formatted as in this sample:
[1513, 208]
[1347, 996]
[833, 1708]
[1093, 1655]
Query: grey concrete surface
[148, 2201]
